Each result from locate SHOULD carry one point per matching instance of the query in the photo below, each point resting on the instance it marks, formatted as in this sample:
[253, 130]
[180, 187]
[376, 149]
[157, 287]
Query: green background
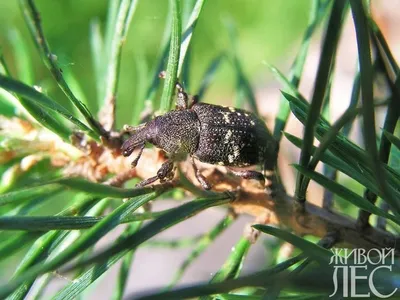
[264, 31]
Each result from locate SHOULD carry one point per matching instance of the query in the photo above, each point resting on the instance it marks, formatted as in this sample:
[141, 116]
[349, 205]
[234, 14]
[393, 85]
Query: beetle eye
[127, 148]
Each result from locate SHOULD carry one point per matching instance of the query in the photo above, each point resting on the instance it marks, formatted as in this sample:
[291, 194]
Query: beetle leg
[249, 174]
[184, 100]
[200, 177]
[162, 173]
[194, 100]
[147, 181]
[165, 169]
[182, 97]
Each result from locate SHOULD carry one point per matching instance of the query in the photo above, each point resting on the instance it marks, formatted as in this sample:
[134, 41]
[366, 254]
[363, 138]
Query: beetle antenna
[132, 129]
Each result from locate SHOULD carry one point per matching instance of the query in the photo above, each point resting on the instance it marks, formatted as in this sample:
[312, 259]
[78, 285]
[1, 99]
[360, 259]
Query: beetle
[213, 134]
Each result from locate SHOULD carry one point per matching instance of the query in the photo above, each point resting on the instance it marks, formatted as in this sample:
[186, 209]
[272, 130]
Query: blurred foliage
[67, 23]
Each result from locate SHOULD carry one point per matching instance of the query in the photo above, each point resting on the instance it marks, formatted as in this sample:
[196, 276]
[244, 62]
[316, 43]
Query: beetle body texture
[232, 137]
[213, 134]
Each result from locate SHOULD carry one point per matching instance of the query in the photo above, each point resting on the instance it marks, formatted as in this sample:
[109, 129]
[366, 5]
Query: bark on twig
[282, 209]
[98, 162]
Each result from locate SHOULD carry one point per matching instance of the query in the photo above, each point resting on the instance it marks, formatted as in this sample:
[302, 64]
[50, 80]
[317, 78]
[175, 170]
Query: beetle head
[144, 134]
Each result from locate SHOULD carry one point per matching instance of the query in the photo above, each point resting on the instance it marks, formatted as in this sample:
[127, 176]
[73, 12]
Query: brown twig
[281, 209]
[98, 162]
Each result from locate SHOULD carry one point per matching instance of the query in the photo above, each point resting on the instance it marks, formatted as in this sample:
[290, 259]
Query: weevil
[213, 134]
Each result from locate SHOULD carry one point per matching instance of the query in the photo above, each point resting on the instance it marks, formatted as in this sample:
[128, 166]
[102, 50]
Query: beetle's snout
[126, 153]
[127, 147]
[136, 140]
